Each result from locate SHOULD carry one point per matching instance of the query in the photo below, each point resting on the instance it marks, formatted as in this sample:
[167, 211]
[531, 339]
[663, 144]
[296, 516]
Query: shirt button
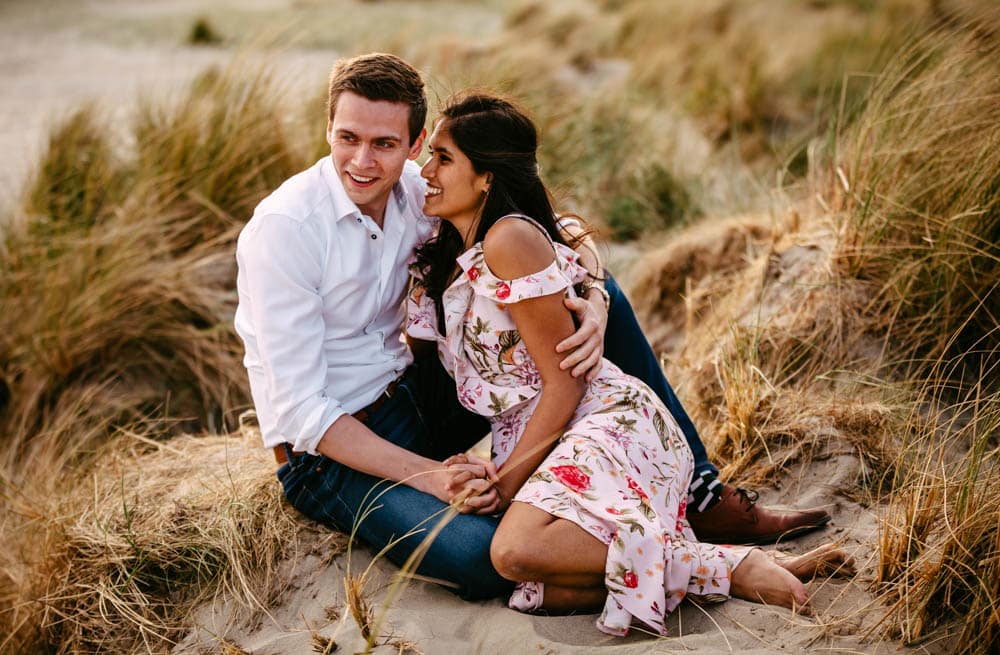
[374, 237]
[359, 219]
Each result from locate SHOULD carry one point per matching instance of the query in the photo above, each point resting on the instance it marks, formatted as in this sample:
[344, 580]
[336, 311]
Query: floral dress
[621, 469]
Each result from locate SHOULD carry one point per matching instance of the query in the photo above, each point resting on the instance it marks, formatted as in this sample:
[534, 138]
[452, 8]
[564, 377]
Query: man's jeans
[382, 512]
[424, 416]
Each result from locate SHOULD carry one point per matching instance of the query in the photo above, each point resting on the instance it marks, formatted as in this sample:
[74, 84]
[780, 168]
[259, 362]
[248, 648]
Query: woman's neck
[466, 226]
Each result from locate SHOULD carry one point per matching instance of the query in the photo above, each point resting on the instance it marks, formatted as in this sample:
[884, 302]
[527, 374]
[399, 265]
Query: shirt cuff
[307, 439]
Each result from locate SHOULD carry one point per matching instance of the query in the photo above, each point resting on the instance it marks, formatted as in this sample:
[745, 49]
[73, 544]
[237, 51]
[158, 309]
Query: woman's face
[455, 192]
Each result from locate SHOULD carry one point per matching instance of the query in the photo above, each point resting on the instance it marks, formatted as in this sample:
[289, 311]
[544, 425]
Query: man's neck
[376, 212]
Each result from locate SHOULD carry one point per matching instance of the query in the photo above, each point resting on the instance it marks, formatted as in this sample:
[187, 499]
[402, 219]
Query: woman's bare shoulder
[514, 248]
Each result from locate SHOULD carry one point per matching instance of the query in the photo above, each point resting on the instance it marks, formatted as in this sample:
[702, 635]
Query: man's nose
[363, 156]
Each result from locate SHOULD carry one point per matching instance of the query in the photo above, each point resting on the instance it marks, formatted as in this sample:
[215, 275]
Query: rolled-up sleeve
[282, 265]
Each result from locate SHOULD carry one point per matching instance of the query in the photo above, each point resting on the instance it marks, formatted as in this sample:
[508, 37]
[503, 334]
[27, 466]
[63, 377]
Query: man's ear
[418, 145]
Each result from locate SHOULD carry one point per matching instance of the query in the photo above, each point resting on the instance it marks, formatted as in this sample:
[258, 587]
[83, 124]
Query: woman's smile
[455, 191]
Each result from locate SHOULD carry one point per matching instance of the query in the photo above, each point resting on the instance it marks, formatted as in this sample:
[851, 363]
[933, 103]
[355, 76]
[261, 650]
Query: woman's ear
[485, 182]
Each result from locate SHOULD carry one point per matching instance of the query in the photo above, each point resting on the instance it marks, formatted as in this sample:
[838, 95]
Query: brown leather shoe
[737, 519]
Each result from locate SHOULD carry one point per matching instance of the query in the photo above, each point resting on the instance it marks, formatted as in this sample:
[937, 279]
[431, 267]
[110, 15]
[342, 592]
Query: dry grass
[871, 325]
[154, 531]
[918, 187]
[920, 194]
[121, 270]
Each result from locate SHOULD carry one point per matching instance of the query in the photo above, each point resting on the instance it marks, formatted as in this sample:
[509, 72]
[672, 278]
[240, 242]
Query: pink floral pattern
[621, 469]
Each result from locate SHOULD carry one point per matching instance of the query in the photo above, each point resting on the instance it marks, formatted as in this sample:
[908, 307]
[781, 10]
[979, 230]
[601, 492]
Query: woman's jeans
[424, 416]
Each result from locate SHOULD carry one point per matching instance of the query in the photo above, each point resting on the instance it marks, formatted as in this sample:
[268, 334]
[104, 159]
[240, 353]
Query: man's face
[369, 143]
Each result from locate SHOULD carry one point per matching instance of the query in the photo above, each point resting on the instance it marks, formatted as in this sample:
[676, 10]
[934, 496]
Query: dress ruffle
[564, 271]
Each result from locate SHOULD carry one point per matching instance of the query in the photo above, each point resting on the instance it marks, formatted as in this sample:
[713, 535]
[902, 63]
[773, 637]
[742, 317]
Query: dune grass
[121, 269]
[155, 530]
[868, 321]
[919, 195]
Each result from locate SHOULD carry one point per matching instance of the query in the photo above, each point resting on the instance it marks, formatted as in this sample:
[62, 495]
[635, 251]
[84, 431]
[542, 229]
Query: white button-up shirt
[321, 291]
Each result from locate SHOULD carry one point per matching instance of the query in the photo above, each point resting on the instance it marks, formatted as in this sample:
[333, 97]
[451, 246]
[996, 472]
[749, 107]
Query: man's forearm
[590, 259]
[351, 443]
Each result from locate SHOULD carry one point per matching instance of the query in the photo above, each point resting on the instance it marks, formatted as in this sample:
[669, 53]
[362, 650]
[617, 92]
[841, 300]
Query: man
[322, 276]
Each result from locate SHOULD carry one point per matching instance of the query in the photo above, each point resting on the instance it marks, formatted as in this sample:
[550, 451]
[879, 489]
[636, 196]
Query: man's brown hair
[381, 76]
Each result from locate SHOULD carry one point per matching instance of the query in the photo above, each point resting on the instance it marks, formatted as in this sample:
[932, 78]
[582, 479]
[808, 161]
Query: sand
[428, 619]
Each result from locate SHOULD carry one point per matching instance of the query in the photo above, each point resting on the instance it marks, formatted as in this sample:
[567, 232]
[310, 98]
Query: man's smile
[362, 180]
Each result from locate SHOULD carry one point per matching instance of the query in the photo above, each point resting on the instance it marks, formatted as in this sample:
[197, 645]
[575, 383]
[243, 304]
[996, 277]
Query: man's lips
[362, 180]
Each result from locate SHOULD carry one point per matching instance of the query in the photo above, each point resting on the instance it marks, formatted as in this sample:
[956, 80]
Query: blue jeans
[424, 416]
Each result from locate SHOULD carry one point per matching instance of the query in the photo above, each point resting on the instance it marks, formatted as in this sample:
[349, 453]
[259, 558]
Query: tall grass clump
[916, 180]
[914, 183]
[117, 291]
[203, 33]
[939, 550]
[130, 288]
[79, 179]
[216, 152]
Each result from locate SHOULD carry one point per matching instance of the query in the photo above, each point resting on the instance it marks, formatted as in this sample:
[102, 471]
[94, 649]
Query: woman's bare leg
[531, 544]
[561, 600]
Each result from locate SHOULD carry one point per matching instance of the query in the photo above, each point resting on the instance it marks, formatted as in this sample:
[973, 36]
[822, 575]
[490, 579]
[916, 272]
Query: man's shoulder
[298, 197]
[287, 215]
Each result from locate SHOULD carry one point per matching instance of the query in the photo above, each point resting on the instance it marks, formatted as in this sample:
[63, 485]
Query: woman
[593, 476]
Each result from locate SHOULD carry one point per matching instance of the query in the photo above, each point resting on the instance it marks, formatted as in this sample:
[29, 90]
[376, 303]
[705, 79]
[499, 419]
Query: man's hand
[587, 343]
[471, 485]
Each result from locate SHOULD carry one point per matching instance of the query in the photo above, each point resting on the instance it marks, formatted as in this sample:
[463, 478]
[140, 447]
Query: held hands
[472, 485]
[587, 343]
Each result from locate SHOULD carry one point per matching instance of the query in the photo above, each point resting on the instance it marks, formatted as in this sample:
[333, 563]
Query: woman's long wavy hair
[498, 138]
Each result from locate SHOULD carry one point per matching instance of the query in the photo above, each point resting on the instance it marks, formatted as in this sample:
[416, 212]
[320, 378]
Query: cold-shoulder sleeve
[564, 271]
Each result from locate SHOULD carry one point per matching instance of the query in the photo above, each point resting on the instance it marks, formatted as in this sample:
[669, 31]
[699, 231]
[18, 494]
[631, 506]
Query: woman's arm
[514, 249]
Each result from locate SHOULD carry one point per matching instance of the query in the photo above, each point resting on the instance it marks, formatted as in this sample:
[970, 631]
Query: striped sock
[705, 491]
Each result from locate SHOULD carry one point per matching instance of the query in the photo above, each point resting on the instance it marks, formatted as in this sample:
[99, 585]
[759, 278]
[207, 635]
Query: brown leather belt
[362, 415]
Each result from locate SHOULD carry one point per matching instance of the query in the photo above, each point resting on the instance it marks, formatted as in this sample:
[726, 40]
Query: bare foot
[828, 559]
[759, 579]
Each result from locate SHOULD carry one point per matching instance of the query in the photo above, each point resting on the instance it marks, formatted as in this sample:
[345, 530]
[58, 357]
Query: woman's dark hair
[498, 138]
